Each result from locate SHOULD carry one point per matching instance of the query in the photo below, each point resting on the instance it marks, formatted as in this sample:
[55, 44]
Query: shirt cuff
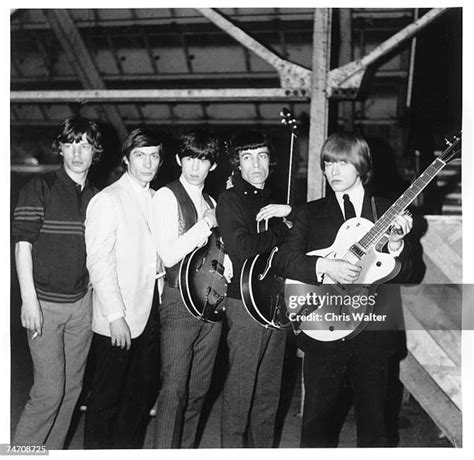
[319, 273]
[114, 316]
[398, 251]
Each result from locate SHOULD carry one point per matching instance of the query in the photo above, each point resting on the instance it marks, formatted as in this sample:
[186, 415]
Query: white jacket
[121, 258]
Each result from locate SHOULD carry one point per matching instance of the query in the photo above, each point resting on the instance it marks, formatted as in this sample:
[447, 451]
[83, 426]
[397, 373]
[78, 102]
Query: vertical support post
[319, 102]
[345, 108]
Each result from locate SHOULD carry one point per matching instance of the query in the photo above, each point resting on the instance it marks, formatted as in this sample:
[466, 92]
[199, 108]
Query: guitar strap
[374, 209]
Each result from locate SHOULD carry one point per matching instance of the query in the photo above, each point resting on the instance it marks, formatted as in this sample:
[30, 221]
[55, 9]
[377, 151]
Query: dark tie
[349, 210]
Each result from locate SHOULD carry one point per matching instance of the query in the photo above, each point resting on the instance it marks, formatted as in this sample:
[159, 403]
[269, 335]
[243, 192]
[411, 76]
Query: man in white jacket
[123, 267]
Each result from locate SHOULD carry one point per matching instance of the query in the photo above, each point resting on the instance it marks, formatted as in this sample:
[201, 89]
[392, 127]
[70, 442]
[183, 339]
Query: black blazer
[315, 227]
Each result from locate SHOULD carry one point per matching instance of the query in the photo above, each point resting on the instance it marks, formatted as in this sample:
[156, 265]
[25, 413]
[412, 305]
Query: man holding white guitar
[360, 360]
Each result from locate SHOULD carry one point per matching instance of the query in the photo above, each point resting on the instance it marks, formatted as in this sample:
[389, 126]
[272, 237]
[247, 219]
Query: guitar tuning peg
[448, 142]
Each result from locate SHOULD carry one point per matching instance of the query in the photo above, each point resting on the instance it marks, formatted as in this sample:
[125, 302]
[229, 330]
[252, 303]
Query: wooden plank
[442, 245]
[437, 309]
[434, 401]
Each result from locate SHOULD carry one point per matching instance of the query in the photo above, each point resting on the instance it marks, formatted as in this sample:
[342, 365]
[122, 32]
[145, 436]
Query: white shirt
[143, 195]
[356, 195]
[171, 246]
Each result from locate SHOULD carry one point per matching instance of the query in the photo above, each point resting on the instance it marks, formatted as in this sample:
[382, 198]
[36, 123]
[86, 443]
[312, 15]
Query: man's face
[341, 175]
[255, 166]
[195, 170]
[77, 156]
[143, 163]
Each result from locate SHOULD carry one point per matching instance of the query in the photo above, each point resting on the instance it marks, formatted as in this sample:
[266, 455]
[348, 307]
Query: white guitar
[331, 311]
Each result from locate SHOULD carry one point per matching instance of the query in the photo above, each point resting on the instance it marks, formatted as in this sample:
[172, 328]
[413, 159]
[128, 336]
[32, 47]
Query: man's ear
[125, 160]
[178, 160]
[214, 166]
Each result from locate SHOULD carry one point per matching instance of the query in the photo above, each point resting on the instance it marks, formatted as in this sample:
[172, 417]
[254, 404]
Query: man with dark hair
[183, 217]
[123, 267]
[50, 255]
[362, 362]
[252, 388]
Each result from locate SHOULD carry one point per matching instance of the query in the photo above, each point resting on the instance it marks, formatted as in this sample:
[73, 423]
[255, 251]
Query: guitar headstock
[452, 149]
[288, 119]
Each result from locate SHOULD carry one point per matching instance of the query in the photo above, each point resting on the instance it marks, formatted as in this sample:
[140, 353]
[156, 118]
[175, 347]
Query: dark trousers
[327, 398]
[124, 387]
[188, 352]
[252, 388]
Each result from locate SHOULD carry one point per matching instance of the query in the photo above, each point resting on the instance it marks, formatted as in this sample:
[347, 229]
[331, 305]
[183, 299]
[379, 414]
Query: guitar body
[201, 281]
[262, 291]
[332, 319]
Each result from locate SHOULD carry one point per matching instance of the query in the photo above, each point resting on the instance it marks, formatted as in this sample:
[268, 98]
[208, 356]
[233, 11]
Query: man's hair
[72, 129]
[141, 137]
[249, 139]
[352, 148]
[199, 143]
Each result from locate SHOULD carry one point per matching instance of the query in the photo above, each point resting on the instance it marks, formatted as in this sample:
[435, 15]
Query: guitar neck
[290, 168]
[372, 237]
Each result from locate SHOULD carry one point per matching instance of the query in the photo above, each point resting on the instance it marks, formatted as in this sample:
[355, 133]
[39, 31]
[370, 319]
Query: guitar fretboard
[383, 224]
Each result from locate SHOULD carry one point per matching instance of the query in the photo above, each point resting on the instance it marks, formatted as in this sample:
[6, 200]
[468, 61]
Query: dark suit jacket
[315, 227]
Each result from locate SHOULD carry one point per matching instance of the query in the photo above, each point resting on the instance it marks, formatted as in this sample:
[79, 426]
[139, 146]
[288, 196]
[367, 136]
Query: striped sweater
[50, 214]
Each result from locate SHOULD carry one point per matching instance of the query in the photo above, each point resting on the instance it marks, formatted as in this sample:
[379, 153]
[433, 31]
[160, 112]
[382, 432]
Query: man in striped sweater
[50, 256]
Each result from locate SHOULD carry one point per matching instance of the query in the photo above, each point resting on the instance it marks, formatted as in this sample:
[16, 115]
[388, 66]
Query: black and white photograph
[237, 227]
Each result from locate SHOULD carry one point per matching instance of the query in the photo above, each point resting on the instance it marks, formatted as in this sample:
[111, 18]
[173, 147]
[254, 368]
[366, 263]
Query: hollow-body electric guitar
[202, 283]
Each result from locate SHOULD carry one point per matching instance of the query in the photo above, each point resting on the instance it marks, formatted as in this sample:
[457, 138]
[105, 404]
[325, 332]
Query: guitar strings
[384, 223]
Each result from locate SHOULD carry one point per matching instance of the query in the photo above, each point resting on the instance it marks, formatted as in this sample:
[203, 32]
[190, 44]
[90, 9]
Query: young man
[252, 389]
[123, 267]
[183, 216]
[362, 361]
[50, 255]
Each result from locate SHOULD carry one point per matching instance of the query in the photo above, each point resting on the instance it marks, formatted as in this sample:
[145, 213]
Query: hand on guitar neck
[402, 225]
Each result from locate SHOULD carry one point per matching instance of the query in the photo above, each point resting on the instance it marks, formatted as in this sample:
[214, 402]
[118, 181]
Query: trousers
[124, 387]
[188, 352]
[252, 387]
[59, 357]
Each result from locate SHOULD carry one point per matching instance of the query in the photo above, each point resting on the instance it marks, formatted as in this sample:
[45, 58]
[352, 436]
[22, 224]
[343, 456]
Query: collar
[64, 177]
[356, 195]
[246, 188]
[135, 185]
[194, 191]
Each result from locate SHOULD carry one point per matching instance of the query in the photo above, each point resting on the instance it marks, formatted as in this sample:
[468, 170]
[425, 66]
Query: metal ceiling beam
[83, 23]
[345, 82]
[70, 39]
[291, 75]
[161, 95]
